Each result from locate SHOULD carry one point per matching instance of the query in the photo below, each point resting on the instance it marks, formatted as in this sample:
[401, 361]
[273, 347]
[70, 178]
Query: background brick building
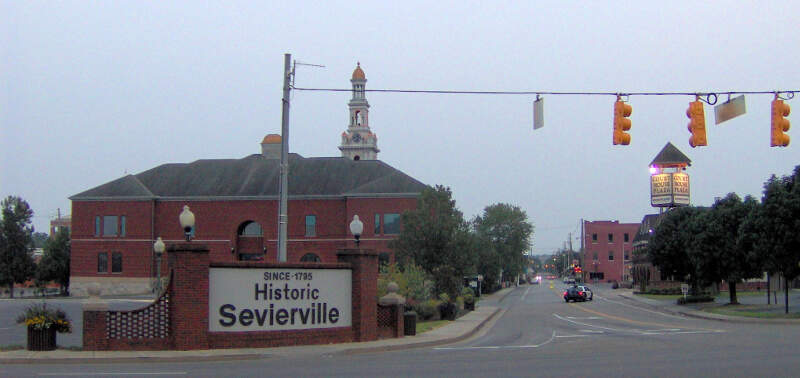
[608, 249]
[235, 202]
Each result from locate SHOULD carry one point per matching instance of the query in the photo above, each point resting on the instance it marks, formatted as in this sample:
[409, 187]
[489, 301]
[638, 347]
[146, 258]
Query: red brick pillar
[94, 326]
[188, 302]
[364, 264]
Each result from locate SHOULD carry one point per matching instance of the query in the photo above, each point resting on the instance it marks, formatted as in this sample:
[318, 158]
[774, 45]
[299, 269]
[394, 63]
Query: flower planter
[41, 339]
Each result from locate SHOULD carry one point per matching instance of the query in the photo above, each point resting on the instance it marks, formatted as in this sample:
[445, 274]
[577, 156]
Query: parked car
[585, 289]
[574, 294]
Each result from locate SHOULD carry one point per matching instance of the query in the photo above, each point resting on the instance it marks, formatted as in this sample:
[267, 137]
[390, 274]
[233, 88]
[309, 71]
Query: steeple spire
[358, 142]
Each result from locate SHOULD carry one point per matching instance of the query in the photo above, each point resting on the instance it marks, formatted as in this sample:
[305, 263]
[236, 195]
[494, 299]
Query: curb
[242, 356]
[423, 344]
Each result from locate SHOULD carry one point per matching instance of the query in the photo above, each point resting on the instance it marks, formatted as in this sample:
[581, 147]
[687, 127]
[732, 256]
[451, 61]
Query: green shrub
[468, 295]
[426, 309]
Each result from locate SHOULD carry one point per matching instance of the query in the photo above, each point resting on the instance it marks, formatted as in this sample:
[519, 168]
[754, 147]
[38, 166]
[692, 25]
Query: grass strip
[430, 325]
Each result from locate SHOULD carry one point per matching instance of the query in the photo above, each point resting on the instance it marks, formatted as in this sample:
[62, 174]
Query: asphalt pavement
[471, 325]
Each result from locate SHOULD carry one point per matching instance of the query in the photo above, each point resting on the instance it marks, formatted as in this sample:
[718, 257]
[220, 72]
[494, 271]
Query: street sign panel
[538, 113]
[729, 109]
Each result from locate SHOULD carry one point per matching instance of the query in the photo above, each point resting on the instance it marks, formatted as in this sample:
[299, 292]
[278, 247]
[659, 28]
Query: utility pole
[283, 217]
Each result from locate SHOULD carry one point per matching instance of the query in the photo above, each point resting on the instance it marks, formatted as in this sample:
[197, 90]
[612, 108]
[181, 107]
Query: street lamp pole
[356, 228]
[158, 248]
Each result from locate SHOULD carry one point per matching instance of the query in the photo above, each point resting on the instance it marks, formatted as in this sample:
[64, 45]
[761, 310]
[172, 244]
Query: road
[537, 334]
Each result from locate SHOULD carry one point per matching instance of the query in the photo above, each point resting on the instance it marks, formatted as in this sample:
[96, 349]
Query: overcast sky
[91, 91]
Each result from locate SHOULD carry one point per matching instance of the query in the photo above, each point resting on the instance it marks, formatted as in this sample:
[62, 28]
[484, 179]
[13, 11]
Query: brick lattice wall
[149, 322]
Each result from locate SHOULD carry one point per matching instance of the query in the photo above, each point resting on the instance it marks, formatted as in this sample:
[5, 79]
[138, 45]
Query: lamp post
[187, 222]
[158, 248]
[356, 228]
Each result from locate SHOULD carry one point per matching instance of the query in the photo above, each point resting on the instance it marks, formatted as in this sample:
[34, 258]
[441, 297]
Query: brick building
[235, 202]
[608, 248]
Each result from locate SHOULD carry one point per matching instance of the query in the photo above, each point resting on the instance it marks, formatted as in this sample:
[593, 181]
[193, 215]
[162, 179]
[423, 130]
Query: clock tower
[358, 142]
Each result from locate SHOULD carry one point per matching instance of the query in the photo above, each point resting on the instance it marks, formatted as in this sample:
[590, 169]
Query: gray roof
[257, 176]
[649, 223]
[670, 155]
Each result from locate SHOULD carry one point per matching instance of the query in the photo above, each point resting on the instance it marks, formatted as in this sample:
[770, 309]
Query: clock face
[356, 138]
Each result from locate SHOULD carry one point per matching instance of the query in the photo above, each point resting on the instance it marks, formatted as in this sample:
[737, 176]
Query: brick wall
[188, 308]
[217, 225]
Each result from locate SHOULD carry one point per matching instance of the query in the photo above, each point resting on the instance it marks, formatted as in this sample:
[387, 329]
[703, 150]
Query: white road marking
[526, 293]
[591, 331]
[501, 346]
[643, 309]
[586, 324]
[584, 318]
[667, 331]
[566, 336]
[113, 374]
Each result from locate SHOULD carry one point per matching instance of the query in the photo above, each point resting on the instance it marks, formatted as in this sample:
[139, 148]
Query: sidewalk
[460, 329]
[695, 310]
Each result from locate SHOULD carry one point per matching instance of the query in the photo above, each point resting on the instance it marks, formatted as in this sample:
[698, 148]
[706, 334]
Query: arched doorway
[250, 242]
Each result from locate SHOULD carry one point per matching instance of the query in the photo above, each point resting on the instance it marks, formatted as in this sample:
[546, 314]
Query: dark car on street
[574, 294]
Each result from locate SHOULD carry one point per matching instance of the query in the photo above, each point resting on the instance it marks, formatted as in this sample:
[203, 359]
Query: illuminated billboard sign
[669, 189]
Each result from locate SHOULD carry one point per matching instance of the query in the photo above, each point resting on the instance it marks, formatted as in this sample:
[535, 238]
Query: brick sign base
[178, 319]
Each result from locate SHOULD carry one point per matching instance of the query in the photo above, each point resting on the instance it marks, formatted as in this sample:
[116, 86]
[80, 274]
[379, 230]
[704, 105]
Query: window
[594, 255]
[377, 224]
[311, 225]
[122, 225]
[610, 255]
[383, 259]
[391, 224]
[116, 262]
[310, 257]
[627, 257]
[610, 238]
[594, 238]
[102, 262]
[249, 229]
[97, 226]
[110, 225]
[626, 237]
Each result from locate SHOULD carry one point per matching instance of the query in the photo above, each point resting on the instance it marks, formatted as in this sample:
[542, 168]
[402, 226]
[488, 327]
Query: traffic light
[621, 122]
[697, 124]
[578, 269]
[779, 124]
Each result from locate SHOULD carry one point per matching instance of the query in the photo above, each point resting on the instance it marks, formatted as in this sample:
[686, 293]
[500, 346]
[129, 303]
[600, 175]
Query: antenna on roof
[296, 63]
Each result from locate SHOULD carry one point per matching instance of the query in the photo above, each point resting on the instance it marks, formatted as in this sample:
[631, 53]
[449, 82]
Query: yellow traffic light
[621, 122]
[779, 123]
[697, 124]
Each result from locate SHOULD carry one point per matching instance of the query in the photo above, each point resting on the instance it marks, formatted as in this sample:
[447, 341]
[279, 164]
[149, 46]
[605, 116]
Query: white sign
[253, 299]
[538, 113]
[729, 109]
[680, 188]
[660, 189]
[669, 189]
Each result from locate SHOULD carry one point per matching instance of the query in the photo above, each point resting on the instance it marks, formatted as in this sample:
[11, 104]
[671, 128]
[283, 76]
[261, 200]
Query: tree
[436, 237]
[727, 259]
[509, 231]
[54, 265]
[38, 239]
[671, 243]
[771, 229]
[16, 263]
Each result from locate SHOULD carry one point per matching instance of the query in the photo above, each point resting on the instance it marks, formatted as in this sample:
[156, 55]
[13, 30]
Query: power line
[790, 93]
